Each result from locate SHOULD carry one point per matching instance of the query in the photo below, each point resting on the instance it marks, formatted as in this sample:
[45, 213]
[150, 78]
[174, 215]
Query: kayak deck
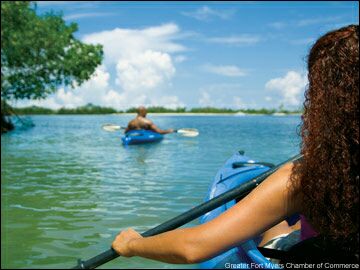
[237, 170]
[141, 136]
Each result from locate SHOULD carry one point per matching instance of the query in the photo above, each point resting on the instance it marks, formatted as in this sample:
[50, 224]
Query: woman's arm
[264, 207]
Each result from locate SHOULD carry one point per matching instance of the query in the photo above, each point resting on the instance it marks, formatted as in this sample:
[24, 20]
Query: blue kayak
[141, 136]
[236, 171]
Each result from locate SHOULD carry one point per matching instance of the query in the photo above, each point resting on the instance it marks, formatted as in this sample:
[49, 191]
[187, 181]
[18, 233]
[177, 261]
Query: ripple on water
[68, 187]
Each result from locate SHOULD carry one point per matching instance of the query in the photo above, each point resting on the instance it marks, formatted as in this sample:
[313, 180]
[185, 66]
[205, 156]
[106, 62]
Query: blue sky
[225, 54]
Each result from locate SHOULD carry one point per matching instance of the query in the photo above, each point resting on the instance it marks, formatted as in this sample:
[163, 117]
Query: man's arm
[130, 126]
[148, 124]
[153, 127]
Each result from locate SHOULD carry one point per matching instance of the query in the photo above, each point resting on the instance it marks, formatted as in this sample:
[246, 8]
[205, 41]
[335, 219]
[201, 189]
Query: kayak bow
[236, 171]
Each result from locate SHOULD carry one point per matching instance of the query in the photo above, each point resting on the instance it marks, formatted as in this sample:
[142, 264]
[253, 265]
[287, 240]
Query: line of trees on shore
[93, 109]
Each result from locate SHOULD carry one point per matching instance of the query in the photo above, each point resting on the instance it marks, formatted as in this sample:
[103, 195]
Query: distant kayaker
[141, 122]
[323, 188]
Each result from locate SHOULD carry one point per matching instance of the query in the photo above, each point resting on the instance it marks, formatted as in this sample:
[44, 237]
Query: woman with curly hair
[323, 187]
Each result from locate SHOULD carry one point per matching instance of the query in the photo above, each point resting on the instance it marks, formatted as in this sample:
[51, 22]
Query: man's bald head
[142, 111]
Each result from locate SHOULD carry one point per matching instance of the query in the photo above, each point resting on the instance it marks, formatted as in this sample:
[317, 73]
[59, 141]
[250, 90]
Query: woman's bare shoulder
[280, 187]
[282, 174]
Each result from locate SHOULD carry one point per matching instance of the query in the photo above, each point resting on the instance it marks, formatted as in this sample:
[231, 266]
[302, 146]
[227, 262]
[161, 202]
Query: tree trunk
[6, 124]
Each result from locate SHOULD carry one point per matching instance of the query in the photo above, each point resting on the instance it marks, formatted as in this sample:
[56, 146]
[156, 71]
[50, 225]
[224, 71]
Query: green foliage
[131, 110]
[87, 109]
[33, 110]
[158, 109]
[258, 111]
[4, 106]
[211, 110]
[40, 53]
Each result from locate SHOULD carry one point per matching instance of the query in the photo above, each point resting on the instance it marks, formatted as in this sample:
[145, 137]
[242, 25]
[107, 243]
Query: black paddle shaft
[176, 222]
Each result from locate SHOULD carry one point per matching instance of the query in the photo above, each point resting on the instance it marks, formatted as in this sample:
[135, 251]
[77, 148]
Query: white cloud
[206, 13]
[144, 71]
[47, 103]
[205, 100]
[122, 43]
[221, 87]
[180, 58]
[225, 70]
[142, 62]
[55, 3]
[115, 100]
[224, 95]
[223, 100]
[75, 16]
[278, 25]
[317, 20]
[73, 5]
[238, 103]
[92, 91]
[97, 88]
[290, 87]
[237, 40]
[68, 98]
[60, 99]
[305, 22]
[171, 102]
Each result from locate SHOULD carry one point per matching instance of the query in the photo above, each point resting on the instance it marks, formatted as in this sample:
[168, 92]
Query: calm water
[68, 187]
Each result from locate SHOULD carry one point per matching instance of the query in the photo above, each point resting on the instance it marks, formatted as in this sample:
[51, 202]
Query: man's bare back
[141, 122]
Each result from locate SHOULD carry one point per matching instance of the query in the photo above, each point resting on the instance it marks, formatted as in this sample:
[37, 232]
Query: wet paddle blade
[188, 132]
[111, 127]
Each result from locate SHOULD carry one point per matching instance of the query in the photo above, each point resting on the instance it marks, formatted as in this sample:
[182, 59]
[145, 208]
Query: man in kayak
[141, 122]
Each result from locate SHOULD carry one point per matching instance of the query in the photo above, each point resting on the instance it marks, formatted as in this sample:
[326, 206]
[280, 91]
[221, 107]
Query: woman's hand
[122, 241]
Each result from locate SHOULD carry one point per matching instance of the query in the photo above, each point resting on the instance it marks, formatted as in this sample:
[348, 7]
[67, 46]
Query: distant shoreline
[205, 111]
[212, 114]
[173, 114]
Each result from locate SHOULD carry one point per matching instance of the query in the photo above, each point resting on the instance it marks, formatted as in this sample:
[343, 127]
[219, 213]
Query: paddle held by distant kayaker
[141, 122]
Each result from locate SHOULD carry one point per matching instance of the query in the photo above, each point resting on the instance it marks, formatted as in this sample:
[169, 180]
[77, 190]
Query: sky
[236, 55]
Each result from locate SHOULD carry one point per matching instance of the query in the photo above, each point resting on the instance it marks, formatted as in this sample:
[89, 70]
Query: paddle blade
[111, 127]
[188, 132]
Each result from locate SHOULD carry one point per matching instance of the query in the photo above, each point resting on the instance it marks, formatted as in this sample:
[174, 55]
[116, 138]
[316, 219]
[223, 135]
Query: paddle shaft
[113, 127]
[235, 193]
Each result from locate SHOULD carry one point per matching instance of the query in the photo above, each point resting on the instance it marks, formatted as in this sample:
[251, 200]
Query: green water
[68, 187]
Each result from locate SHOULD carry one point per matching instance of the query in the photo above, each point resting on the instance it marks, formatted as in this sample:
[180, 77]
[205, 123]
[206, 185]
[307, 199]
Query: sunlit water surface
[68, 187]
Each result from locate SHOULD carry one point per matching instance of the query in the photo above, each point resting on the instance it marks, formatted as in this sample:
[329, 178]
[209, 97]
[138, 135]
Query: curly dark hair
[327, 179]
